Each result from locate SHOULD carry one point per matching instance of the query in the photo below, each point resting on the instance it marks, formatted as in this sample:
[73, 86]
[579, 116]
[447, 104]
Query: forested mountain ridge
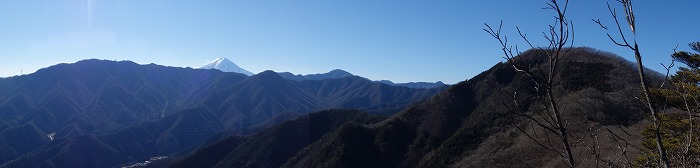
[158, 109]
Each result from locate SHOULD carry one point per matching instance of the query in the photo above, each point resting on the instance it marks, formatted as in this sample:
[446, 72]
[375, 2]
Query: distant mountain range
[415, 84]
[226, 65]
[338, 73]
[107, 114]
[334, 74]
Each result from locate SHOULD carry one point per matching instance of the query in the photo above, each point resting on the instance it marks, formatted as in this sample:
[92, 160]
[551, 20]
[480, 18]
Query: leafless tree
[560, 37]
[631, 44]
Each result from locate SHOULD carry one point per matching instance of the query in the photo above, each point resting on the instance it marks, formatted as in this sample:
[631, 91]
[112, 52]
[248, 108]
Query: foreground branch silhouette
[623, 41]
[560, 37]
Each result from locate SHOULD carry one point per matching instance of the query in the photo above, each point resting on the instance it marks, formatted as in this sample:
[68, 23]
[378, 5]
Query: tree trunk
[562, 127]
[654, 115]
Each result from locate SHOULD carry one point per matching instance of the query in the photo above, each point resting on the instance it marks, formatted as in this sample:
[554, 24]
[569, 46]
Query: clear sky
[399, 40]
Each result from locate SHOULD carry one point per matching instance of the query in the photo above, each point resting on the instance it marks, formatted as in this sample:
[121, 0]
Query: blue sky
[399, 40]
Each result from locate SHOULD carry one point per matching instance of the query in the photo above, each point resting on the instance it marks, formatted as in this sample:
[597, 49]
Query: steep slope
[226, 65]
[469, 125]
[258, 98]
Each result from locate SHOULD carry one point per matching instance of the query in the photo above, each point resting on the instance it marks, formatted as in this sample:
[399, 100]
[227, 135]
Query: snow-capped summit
[226, 65]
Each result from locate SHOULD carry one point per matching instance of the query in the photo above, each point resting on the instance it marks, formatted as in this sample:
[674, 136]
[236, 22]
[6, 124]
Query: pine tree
[688, 78]
[681, 131]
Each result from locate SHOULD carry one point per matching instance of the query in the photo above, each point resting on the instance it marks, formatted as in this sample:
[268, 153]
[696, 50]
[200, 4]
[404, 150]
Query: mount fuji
[226, 65]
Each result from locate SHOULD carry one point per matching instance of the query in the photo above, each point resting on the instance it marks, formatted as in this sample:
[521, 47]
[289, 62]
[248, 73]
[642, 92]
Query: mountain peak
[226, 65]
[267, 72]
[340, 73]
[333, 74]
[268, 75]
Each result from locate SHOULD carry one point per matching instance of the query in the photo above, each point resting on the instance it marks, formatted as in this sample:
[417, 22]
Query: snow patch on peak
[226, 65]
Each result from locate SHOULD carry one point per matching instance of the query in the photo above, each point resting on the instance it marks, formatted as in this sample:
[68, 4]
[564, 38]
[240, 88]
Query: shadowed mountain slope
[273, 146]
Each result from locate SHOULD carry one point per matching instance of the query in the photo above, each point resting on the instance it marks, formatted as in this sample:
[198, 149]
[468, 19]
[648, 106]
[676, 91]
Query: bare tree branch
[560, 36]
[631, 22]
